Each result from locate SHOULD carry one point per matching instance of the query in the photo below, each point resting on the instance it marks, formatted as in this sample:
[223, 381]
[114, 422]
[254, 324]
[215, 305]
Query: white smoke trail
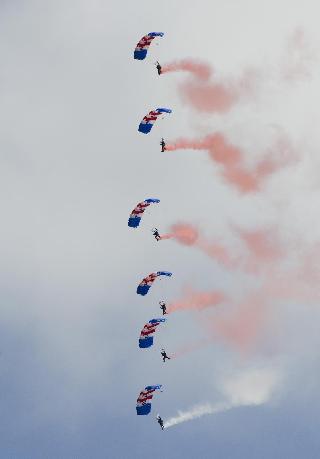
[249, 388]
[197, 412]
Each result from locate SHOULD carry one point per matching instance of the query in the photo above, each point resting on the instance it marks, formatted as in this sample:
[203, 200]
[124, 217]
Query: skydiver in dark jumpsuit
[160, 421]
[163, 307]
[163, 145]
[156, 234]
[164, 355]
[158, 68]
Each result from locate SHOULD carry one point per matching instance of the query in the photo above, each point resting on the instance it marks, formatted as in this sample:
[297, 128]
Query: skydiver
[163, 307]
[160, 421]
[164, 355]
[163, 145]
[158, 68]
[156, 234]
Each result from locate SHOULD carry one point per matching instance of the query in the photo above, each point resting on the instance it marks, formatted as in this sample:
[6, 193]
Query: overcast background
[73, 166]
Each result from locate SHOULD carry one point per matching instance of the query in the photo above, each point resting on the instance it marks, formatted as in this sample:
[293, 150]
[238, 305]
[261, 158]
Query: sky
[243, 378]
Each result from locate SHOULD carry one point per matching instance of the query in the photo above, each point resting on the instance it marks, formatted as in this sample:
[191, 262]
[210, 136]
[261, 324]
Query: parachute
[146, 340]
[136, 214]
[146, 283]
[143, 405]
[142, 47]
[148, 121]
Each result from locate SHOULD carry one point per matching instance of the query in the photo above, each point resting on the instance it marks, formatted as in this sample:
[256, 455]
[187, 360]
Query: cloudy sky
[243, 380]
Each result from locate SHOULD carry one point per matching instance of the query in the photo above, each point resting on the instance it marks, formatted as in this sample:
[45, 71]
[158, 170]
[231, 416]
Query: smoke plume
[197, 69]
[256, 249]
[232, 162]
[197, 301]
[249, 388]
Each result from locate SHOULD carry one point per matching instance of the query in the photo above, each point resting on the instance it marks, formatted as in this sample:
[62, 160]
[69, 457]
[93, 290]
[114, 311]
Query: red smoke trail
[208, 97]
[242, 327]
[166, 236]
[213, 97]
[202, 94]
[296, 63]
[197, 69]
[189, 235]
[217, 146]
[263, 248]
[244, 324]
[218, 252]
[232, 160]
[258, 250]
[199, 92]
[246, 321]
[186, 234]
[197, 301]
[223, 153]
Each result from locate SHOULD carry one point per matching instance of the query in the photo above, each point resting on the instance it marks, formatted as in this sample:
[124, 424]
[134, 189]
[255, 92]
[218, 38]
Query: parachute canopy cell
[144, 400]
[147, 282]
[148, 121]
[142, 47]
[146, 338]
[136, 214]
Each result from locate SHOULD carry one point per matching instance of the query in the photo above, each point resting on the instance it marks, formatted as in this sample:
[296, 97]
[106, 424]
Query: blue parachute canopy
[136, 214]
[148, 121]
[142, 47]
[144, 400]
[165, 110]
[147, 282]
[164, 273]
[146, 338]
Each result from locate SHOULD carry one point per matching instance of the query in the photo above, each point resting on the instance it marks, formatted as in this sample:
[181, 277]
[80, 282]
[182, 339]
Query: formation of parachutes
[146, 338]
